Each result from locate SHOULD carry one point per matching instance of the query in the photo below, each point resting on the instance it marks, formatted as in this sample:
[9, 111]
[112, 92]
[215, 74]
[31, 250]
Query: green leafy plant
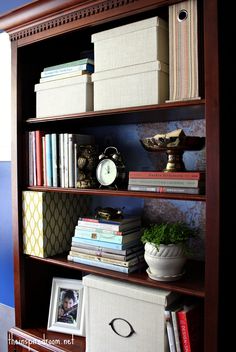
[168, 233]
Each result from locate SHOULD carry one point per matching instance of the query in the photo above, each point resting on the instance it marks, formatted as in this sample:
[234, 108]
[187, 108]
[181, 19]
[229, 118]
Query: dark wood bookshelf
[120, 193]
[53, 28]
[192, 282]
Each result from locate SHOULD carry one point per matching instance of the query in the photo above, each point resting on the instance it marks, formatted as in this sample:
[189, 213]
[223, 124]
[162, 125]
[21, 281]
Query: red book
[39, 158]
[181, 175]
[190, 320]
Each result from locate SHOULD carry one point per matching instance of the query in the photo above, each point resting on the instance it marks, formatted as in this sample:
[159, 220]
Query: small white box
[64, 96]
[143, 84]
[113, 308]
[131, 44]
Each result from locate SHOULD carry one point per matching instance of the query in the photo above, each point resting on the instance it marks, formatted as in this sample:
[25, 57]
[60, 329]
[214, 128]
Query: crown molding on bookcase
[45, 18]
[41, 16]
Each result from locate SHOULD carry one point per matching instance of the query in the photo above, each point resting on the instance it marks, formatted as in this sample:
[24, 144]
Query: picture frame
[66, 311]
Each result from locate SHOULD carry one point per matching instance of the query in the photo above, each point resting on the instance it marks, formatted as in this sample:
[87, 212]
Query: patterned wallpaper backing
[137, 158]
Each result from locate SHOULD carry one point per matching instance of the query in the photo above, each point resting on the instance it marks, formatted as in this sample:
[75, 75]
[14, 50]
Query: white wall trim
[5, 97]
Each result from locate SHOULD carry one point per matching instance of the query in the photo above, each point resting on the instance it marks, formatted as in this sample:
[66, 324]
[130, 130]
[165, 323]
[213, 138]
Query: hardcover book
[166, 182]
[70, 64]
[111, 225]
[102, 254]
[190, 320]
[109, 266]
[125, 263]
[102, 251]
[104, 243]
[160, 189]
[107, 236]
[181, 175]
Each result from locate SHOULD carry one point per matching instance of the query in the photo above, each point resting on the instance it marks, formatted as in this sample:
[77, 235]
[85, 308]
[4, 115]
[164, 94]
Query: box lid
[128, 28]
[130, 70]
[68, 81]
[138, 292]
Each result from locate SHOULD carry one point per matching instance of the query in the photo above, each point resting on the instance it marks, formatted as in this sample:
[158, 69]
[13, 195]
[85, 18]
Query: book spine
[103, 243]
[34, 159]
[98, 225]
[54, 160]
[98, 264]
[164, 182]
[107, 237]
[71, 160]
[66, 160]
[61, 160]
[75, 164]
[44, 162]
[167, 175]
[63, 76]
[100, 231]
[30, 150]
[49, 159]
[102, 254]
[176, 331]
[158, 189]
[49, 73]
[129, 263]
[184, 334]
[98, 253]
[39, 157]
[170, 331]
[70, 64]
[100, 249]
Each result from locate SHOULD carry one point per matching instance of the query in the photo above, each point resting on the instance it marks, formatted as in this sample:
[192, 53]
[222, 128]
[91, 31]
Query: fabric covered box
[131, 44]
[121, 316]
[49, 220]
[69, 95]
[136, 85]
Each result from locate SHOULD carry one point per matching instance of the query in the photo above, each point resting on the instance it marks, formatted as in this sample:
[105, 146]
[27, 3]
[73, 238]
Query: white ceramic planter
[165, 264]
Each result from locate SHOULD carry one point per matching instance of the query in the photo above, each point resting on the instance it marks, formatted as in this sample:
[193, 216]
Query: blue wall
[10, 4]
[6, 247]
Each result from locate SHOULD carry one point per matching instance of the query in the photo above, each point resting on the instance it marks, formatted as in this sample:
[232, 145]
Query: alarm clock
[110, 171]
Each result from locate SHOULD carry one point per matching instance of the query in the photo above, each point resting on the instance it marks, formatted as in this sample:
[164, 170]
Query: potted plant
[166, 249]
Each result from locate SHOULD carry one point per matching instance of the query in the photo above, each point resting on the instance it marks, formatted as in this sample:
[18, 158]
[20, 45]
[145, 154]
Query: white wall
[5, 97]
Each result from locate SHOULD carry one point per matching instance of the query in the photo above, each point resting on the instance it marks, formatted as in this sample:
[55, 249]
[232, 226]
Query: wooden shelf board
[192, 283]
[184, 110]
[120, 193]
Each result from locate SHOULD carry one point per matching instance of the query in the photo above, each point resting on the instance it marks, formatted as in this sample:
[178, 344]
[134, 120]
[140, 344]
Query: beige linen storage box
[131, 44]
[114, 309]
[49, 221]
[136, 85]
[64, 96]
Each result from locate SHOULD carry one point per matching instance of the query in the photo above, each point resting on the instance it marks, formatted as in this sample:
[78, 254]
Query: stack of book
[108, 244]
[191, 182]
[68, 69]
[53, 158]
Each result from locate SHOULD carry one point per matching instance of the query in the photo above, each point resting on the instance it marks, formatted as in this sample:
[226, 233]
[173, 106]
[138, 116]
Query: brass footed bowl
[174, 147]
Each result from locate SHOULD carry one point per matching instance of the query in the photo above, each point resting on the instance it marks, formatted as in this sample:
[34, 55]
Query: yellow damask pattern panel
[49, 220]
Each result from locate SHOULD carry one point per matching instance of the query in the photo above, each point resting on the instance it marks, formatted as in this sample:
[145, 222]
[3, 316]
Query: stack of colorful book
[109, 244]
[191, 182]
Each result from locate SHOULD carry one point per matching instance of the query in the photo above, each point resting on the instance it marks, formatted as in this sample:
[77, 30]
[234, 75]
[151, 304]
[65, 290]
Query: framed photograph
[66, 311]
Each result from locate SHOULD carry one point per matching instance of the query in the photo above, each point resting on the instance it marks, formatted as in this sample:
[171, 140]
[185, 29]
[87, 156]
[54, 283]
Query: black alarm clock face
[106, 172]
